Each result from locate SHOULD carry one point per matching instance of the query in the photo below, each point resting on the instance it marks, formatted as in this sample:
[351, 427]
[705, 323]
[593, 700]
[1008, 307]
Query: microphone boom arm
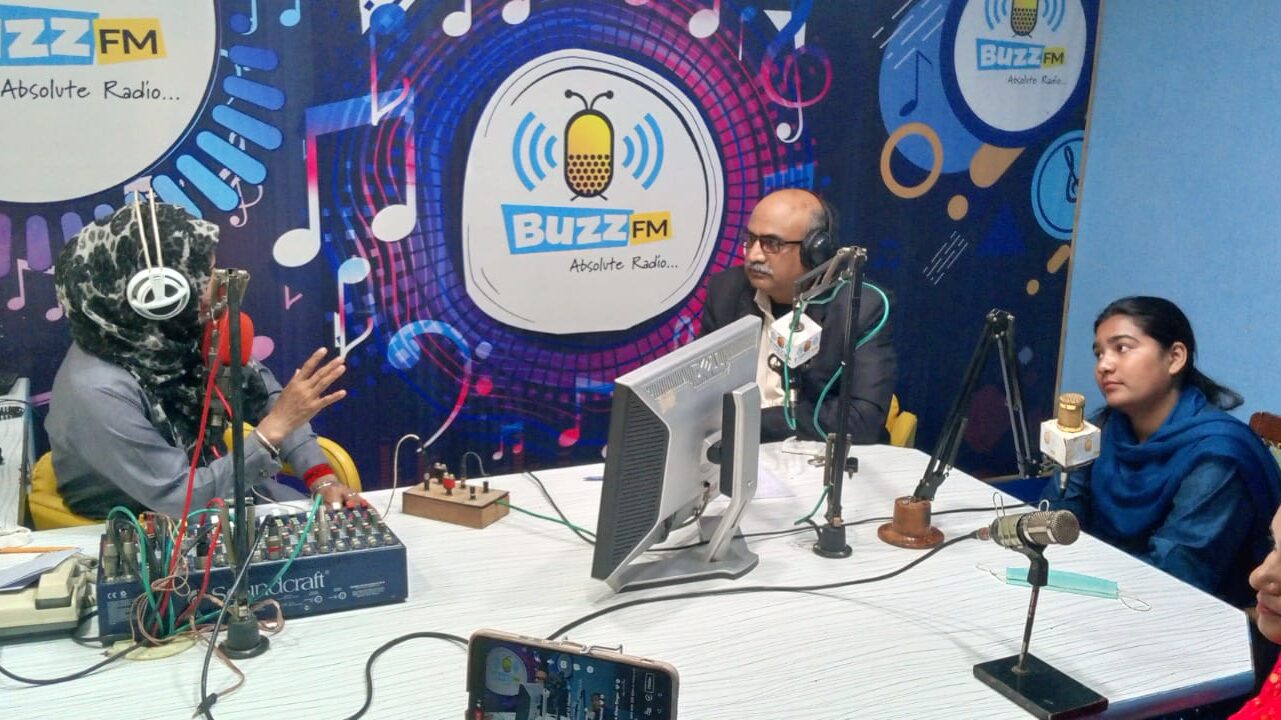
[998, 329]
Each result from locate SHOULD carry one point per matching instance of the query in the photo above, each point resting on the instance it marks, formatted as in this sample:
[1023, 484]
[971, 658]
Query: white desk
[904, 647]
[17, 448]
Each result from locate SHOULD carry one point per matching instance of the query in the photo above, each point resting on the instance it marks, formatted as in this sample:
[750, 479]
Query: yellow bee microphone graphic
[1023, 16]
[589, 148]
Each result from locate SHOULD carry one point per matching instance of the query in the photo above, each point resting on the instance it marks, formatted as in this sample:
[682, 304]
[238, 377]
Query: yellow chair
[901, 425]
[48, 511]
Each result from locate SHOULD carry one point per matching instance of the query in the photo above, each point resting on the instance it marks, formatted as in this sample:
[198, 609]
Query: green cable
[144, 573]
[867, 337]
[306, 530]
[817, 505]
[558, 521]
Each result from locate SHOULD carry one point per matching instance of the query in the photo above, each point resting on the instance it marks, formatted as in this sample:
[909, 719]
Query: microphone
[804, 333]
[1041, 527]
[1068, 440]
[221, 328]
[218, 335]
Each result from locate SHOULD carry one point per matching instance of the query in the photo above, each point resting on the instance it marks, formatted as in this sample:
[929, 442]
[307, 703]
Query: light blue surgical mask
[1070, 582]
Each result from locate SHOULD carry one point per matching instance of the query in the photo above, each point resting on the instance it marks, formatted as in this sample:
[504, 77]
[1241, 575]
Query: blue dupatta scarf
[1142, 478]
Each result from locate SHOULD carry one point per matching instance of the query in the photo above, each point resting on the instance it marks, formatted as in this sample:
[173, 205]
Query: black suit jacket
[730, 296]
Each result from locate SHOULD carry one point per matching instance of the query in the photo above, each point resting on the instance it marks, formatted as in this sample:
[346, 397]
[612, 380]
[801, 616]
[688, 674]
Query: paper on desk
[20, 576]
[768, 484]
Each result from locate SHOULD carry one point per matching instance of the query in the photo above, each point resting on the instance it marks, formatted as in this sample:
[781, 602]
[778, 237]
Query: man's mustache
[759, 267]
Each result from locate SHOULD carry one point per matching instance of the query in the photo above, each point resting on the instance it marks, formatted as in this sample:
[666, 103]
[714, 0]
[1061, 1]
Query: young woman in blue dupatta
[1179, 483]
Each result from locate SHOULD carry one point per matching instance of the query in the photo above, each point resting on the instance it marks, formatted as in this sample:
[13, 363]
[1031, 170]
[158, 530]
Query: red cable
[191, 484]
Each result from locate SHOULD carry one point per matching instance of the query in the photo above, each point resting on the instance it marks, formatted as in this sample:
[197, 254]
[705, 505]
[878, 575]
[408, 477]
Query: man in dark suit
[788, 230]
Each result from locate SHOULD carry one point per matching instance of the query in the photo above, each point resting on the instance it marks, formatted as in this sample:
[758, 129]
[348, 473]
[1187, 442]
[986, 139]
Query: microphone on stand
[1068, 440]
[215, 347]
[1039, 528]
[794, 339]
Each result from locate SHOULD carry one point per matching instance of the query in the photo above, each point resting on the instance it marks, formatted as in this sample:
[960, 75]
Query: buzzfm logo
[587, 164]
[1020, 17]
[50, 36]
[593, 196]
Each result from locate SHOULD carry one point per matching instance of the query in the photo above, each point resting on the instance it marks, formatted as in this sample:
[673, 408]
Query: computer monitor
[672, 423]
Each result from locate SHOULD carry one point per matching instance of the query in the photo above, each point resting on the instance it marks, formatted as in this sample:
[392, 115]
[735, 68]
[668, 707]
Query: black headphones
[819, 245]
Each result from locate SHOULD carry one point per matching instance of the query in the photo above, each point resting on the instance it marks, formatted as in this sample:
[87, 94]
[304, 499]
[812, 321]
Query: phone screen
[513, 681]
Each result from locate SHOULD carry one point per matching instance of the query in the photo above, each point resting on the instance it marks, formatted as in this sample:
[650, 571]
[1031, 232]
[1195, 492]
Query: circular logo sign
[96, 92]
[592, 198]
[1012, 67]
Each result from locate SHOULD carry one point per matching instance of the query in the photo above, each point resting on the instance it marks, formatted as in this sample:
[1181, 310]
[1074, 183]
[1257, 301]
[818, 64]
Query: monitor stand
[722, 552]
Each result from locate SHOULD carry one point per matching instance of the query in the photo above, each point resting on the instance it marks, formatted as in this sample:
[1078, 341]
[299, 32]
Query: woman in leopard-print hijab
[92, 275]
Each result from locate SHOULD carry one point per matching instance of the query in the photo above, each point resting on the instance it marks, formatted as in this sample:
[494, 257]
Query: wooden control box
[458, 506]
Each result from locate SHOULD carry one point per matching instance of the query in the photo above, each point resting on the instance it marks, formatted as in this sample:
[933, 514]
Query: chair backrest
[48, 511]
[1268, 426]
[901, 425]
[338, 459]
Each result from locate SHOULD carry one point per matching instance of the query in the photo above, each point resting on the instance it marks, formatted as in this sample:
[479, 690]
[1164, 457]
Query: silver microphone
[1042, 527]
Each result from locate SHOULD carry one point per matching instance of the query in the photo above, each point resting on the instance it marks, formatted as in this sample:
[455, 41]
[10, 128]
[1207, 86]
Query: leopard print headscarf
[91, 277]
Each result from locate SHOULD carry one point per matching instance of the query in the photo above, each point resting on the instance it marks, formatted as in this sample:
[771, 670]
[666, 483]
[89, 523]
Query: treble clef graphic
[1072, 180]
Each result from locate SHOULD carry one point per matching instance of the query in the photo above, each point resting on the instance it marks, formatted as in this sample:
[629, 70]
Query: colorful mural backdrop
[494, 208]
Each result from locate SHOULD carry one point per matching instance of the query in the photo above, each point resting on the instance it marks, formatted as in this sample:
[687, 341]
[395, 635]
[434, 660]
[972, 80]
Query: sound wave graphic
[996, 12]
[525, 154]
[647, 136]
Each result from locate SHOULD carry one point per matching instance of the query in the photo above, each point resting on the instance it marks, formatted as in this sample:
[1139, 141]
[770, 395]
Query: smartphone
[512, 677]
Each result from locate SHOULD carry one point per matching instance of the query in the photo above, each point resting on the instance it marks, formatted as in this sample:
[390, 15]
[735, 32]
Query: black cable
[369, 664]
[986, 508]
[770, 533]
[556, 507]
[757, 588]
[73, 676]
[79, 639]
[207, 699]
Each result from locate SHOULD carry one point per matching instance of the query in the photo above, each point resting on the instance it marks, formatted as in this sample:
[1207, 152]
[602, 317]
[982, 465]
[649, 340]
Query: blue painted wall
[1181, 186]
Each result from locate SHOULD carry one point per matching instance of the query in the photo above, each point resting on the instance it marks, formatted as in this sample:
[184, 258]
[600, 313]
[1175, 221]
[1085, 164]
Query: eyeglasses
[771, 244]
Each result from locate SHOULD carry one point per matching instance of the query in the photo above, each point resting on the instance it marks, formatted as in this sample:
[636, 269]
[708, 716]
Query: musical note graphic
[246, 25]
[397, 220]
[784, 130]
[299, 246]
[377, 111]
[515, 431]
[706, 21]
[458, 22]
[20, 300]
[582, 386]
[1073, 182]
[262, 348]
[243, 207]
[353, 270]
[291, 16]
[290, 300]
[791, 30]
[403, 353]
[910, 106]
[516, 12]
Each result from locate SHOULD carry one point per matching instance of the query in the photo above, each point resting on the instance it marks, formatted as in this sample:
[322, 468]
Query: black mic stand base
[1039, 688]
[831, 542]
[244, 640]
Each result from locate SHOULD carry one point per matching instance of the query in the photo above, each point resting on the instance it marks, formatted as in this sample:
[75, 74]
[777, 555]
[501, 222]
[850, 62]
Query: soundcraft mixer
[348, 558]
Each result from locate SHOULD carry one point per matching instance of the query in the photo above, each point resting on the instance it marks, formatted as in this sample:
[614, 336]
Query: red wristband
[315, 473]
